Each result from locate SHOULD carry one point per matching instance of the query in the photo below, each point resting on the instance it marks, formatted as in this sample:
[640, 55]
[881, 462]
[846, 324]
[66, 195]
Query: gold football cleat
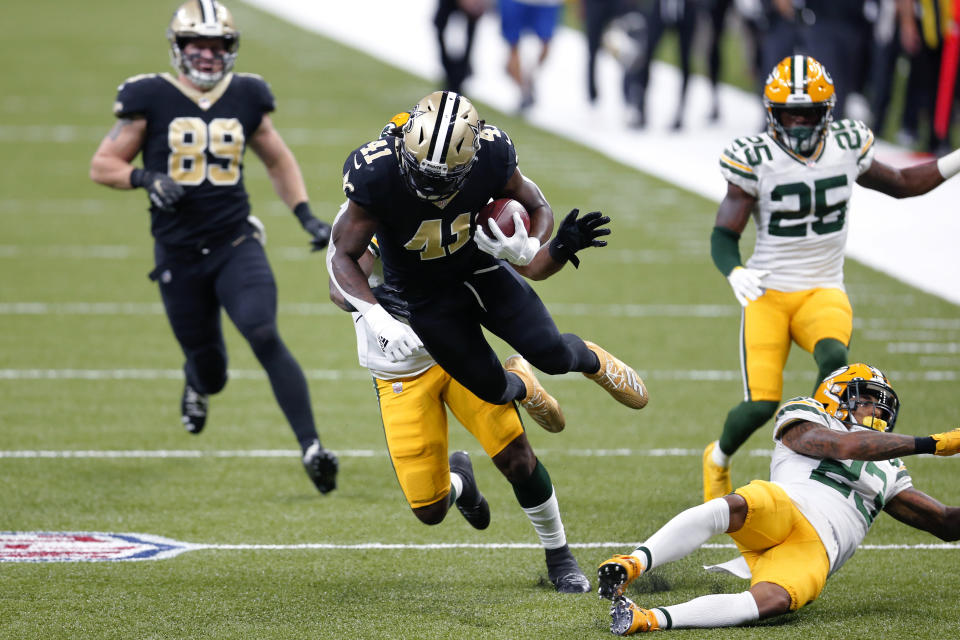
[620, 380]
[615, 574]
[542, 407]
[628, 618]
[716, 479]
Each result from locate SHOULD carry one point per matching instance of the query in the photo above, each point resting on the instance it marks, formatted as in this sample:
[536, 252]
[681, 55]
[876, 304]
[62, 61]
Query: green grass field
[92, 366]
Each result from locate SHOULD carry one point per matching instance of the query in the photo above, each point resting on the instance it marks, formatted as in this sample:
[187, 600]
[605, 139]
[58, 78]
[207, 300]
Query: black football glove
[320, 231]
[163, 190]
[389, 298]
[575, 234]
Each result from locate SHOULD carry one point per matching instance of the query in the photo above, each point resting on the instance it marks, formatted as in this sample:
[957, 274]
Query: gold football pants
[776, 318]
[780, 545]
[414, 414]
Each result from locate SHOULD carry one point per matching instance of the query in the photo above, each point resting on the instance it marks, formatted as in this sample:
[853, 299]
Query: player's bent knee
[517, 460]
[433, 513]
[772, 599]
[263, 335]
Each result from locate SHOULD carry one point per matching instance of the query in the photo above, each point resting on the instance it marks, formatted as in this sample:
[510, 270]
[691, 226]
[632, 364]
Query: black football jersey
[424, 245]
[198, 138]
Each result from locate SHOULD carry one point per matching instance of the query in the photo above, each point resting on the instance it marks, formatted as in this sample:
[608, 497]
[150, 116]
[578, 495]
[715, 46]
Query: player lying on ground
[794, 181]
[835, 466]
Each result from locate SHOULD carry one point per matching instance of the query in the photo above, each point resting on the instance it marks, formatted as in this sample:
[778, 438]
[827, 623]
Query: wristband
[136, 178]
[925, 445]
[949, 165]
[303, 213]
[562, 253]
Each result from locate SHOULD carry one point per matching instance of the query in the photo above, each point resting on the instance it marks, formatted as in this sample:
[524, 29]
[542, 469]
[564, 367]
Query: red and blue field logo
[85, 546]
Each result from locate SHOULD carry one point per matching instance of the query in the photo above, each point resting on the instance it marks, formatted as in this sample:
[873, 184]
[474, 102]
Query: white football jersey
[840, 498]
[801, 211]
[369, 352]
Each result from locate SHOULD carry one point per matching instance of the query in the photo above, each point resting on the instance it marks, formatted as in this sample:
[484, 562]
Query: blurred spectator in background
[750, 13]
[889, 39]
[597, 15]
[456, 59]
[518, 16]
[661, 15]
[925, 23]
[838, 34]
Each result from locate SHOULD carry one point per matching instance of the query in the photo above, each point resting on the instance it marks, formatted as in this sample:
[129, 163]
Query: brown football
[501, 211]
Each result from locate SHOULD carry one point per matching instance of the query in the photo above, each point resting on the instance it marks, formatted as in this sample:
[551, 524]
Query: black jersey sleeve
[371, 174]
[500, 154]
[136, 95]
[259, 91]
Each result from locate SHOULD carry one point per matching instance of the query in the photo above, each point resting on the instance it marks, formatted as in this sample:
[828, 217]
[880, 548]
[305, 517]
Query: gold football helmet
[848, 387]
[799, 83]
[440, 144]
[202, 19]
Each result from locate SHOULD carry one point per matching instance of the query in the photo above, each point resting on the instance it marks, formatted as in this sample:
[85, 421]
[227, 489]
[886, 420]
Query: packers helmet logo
[849, 387]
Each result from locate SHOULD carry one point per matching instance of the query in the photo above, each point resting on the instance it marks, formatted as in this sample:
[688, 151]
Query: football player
[192, 130]
[794, 180]
[414, 394]
[835, 467]
[420, 192]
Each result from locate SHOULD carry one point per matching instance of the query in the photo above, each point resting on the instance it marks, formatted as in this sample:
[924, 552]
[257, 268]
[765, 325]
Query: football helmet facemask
[799, 83]
[854, 385]
[440, 144]
[202, 19]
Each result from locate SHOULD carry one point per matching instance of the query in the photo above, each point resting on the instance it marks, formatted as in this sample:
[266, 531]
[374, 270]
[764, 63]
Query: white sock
[684, 533]
[456, 485]
[719, 457]
[717, 610]
[545, 519]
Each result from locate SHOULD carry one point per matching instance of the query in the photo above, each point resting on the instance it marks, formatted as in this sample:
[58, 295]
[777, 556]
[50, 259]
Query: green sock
[742, 421]
[536, 489]
[830, 354]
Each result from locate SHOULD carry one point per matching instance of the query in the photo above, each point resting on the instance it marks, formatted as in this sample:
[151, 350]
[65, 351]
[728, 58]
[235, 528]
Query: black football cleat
[564, 572]
[470, 503]
[193, 409]
[322, 466]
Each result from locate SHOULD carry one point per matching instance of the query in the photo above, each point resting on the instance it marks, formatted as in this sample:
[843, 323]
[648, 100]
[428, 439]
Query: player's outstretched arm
[111, 163]
[910, 181]
[287, 180]
[917, 509]
[816, 441]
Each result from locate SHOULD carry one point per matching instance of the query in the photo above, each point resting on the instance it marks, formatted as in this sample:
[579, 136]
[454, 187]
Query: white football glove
[747, 284]
[518, 248]
[396, 339]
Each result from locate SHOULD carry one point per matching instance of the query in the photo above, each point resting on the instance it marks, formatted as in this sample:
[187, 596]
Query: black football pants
[497, 298]
[236, 277]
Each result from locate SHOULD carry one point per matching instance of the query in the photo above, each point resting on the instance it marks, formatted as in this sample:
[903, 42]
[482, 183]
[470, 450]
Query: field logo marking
[83, 546]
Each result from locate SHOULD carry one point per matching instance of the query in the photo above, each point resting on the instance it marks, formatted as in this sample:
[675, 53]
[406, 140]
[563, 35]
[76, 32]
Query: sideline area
[912, 240]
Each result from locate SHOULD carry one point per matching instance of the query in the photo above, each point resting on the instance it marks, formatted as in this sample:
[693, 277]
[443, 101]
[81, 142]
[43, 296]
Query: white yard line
[913, 240]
